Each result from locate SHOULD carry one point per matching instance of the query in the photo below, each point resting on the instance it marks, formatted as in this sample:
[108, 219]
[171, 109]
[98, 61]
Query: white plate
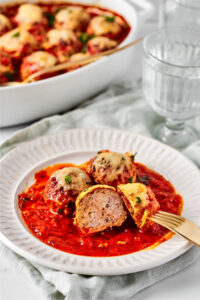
[18, 167]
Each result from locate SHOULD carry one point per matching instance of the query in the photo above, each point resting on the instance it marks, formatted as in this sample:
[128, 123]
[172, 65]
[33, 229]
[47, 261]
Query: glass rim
[186, 5]
[149, 53]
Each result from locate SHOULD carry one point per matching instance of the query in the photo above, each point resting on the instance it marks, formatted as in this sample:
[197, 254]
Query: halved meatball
[72, 18]
[99, 44]
[98, 208]
[112, 168]
[140, 201]
[64, 185]
[35, 62]
[5, 24]
[62, 43]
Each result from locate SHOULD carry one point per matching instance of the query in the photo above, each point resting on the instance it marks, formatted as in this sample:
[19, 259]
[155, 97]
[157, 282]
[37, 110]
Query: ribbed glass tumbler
[171, 82]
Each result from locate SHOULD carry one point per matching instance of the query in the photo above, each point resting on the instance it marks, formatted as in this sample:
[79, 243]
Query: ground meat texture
[98, 209]
[140, 201]
[112, 168]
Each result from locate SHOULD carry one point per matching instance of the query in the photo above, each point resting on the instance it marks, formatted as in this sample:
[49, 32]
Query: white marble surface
[184, 285]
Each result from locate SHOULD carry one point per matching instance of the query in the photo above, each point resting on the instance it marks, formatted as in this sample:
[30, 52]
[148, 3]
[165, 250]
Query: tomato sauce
[58, 231]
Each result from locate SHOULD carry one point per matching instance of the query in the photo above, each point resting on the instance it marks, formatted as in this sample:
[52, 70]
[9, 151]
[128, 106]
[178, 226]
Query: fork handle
[190, 231]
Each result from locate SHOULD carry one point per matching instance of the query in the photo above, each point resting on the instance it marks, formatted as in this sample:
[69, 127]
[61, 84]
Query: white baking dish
[19, 104]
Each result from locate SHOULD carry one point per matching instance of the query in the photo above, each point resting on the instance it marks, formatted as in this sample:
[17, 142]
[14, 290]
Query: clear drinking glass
[184, 13]
[171, 81]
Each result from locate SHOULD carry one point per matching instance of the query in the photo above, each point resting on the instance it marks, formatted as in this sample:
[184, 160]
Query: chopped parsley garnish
[84, 49]
[84, 37]
[133, 156]
[122, 158]
[110, 18]
[130, 180]
[9, 75]
[89, 183]
[51, 18]
[138, 200]
[16, 34]
[68, 179]
[25, 199]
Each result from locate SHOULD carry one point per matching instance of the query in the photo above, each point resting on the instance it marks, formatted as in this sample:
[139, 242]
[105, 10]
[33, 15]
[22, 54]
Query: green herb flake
[138, 200]
[9, 76]
[51, 18]
[83, 38]
[122, 158]
[25, 199]
[133, 156]
[84, 49]
[68, 179]
[130, 180]
[89, 183]
[110, 18]
[16, 34]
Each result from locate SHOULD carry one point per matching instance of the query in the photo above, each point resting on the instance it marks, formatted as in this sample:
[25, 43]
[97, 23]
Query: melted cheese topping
[55, 36]
[4, 22]
[79, 179]
[113, 164]
[137, 195]
[16, 38]
[29, 14]
[72, 17]
[102, 43]
[42, 59]
[99, 25]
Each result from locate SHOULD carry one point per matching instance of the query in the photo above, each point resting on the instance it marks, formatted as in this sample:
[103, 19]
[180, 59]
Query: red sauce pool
[58, 231]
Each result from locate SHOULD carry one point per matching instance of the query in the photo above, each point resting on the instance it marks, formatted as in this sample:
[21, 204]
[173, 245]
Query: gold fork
[179, 225]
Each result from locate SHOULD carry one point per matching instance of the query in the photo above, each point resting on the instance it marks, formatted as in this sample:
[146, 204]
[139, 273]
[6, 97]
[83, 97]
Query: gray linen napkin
[121, 106]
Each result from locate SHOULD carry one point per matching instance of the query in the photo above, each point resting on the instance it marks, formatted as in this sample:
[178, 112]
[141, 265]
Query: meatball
[5, 24]
[28, 14]
[112, 168]
[62, 43]
[98, 208]
[140, 201]
[18, 42]
[106, 25]
[35, 62]
[101, 43]
[64, 185]
[72, 18]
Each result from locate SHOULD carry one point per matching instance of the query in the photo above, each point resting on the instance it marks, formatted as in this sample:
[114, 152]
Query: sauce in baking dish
[40, 34]
[57, 229]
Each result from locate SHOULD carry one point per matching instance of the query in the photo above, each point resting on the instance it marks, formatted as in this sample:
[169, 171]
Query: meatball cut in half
[98, 208]
[64, 185]
[112, 168]
[140, 201]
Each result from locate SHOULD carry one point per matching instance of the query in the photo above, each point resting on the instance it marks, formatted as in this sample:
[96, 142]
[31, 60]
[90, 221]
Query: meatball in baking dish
[64, 185]
[106, 25]
[99, 44]
[62, 43]
[35, 62]
[28, 14]
[112, 168]
[98, 208]
[140, 201]
[18, 42]
[72, 18]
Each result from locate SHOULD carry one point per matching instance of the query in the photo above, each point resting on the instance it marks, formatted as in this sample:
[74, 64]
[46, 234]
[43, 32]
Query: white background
[184, 285]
